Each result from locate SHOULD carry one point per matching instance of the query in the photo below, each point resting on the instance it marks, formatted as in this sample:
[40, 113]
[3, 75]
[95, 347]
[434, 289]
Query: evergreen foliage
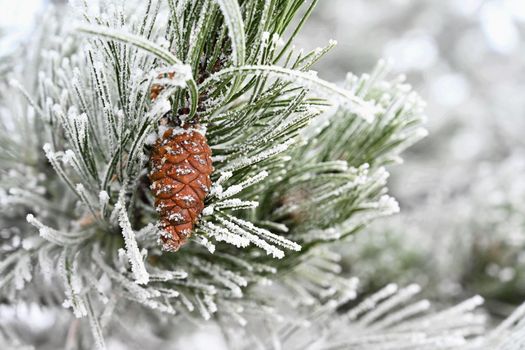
[298, 166]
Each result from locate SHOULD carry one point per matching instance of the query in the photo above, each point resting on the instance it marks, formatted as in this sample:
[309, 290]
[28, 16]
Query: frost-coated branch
[299, 164]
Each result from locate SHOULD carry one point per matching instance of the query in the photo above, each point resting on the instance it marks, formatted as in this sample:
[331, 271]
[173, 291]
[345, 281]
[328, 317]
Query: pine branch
[282, 186]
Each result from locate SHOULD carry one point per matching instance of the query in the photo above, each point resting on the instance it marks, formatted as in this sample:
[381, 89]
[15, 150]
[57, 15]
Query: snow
[182, 73]
[103, 197]
[208, 210]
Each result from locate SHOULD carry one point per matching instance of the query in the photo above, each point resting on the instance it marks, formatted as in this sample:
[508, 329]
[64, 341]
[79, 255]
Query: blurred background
[462, 189]
[461, 230]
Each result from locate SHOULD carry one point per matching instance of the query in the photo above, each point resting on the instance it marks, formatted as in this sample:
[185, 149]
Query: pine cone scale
[180, 173]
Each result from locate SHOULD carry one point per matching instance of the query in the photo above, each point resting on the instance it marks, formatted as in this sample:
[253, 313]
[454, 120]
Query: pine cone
[180, 173]
[156, 89]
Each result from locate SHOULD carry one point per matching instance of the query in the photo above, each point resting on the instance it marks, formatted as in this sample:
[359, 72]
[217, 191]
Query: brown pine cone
[156, 89]
[180, 166]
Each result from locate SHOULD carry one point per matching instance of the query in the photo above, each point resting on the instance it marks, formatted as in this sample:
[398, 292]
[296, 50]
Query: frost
[46, 263]
[225, 175]
[208, 300]
[72, 285]
[388, 205]
[81, 190]
[229, 279]
[22, 272]
[132, 250]
[397, 299]
[208, 210]
[247, 161]
[96, 112]
[222, 234]
[69, 157]
[310, 81]
[94, 324]
[236, 203]
[179, 75]
[370, 302]
[234, 189]
[277, 40]
[151, 139]
[233, 19]
[164, 275]
[138, 292]
[205, 243]
[55, 236]
[203, 310]
[103, 197]
[231, 191]
[276, 239]
[269, 248]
